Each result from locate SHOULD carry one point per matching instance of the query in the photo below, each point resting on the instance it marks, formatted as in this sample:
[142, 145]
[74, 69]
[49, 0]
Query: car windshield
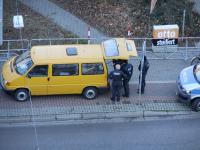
[197, 72]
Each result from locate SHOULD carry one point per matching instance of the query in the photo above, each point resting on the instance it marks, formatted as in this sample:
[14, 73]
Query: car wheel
[196, 104]
[195, 61]
[90, 93]
[21, 95]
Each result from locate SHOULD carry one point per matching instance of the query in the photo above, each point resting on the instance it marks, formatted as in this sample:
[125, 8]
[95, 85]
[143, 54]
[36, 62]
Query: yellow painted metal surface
[56, 54]
[124, 52]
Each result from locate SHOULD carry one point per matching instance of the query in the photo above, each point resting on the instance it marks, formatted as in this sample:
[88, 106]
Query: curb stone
[73, 118]
[15, 119]
[68, 117]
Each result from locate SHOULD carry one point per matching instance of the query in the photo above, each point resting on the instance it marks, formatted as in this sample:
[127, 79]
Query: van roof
[58, 54]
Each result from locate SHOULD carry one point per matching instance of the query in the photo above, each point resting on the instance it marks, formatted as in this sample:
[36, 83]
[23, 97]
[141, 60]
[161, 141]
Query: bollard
[129, 30]
[89, 34]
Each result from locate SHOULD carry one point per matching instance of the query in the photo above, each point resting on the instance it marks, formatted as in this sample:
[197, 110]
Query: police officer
[128, 70]
[144, 73]
[116, 75]
[117, 61]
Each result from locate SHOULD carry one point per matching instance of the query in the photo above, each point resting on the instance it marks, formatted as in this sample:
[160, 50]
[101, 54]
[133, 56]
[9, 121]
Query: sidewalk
[74, 107]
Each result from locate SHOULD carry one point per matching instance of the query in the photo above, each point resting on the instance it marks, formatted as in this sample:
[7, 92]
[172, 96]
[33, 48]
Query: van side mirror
[28, 76]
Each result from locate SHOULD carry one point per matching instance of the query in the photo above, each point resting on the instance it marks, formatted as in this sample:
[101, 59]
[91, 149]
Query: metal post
[8, 54]
[129, 31]
[183, 25]
[165, 49]
[20, 32]
[186, 49]
[49, 41]
[141, 68]
[89, 35]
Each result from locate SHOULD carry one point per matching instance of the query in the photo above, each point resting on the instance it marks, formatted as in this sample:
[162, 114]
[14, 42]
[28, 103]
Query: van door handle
[48, 79]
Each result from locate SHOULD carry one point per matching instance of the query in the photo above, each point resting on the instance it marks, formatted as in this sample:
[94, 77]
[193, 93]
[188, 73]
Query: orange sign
[165, 31]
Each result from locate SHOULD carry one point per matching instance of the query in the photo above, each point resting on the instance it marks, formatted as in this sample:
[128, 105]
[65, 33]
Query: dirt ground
[113, 16]
[109, 16]
[35, 25]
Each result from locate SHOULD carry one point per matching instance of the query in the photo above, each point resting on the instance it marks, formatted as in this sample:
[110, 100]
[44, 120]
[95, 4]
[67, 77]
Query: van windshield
[22, 57]
[197, 72]
[23, 63]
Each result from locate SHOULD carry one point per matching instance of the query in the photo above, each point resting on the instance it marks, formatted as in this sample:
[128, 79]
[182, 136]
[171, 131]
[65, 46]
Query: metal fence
[11, 48]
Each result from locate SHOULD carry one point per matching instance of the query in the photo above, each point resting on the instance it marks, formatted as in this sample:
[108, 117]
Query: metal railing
[11, 48]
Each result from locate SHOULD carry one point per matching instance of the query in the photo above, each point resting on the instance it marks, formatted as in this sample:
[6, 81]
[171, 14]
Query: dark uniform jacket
[128, 70]
[145, 67]
[117, 76]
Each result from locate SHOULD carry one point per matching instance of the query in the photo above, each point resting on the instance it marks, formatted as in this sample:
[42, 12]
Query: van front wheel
[196, 104]
[90, 93]
[21, 95]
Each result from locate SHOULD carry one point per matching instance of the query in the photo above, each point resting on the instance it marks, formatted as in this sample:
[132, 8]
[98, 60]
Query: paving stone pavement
[75, 104]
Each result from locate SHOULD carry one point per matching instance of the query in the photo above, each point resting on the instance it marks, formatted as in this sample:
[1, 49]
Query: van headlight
[5, 82]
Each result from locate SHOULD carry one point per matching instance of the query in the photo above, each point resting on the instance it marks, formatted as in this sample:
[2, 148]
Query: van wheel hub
[21, 96]
[90, 94]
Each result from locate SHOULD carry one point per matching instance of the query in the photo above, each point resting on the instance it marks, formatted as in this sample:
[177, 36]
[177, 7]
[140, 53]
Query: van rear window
[92, 69]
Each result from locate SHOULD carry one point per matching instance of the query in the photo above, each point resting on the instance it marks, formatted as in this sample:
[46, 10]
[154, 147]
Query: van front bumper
[3, 86]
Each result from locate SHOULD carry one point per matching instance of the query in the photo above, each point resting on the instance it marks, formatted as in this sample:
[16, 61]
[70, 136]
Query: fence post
[89, 34]
[183, 24]
[129, 31]
[165, 50]
[50, 41]
[141, 68]
[8, 54]
[186, 49]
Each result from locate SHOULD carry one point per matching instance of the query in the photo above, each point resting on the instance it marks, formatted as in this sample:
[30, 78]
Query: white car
[189, 85]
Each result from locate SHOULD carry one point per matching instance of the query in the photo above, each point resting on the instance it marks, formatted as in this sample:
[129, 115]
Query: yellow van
[63, 69]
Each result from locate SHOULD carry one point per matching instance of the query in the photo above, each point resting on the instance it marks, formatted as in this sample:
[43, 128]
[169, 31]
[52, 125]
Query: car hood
[188, 80]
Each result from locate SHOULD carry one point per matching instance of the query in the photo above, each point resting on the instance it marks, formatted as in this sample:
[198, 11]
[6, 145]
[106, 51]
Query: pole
[141, 68]
[129, 30]
[183, 25]
[89, 34]
[20, 30]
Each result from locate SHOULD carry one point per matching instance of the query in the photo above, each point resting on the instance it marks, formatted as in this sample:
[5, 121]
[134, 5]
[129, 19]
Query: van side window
[64, 69]
[92, 68]
[39, 71]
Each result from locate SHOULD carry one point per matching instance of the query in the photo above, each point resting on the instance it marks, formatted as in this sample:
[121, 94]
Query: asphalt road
[139, 135]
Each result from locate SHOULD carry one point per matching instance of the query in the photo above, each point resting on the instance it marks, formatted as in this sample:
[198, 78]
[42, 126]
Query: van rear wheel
[21, 95]
[196, 104]
[90, 93]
